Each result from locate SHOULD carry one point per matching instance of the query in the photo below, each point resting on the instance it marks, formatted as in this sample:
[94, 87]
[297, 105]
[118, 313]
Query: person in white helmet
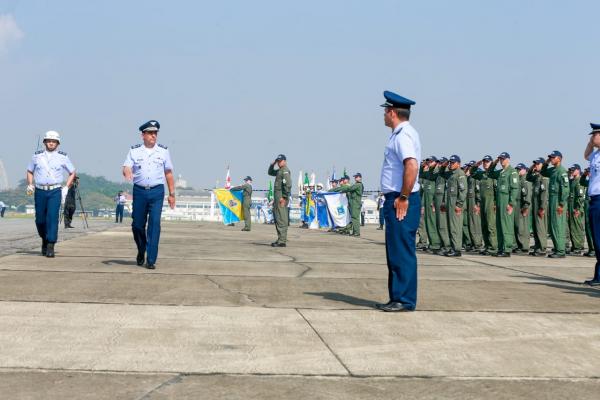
[45, 175]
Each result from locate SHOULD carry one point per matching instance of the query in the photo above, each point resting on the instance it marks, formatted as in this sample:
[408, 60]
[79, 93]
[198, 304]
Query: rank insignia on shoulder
[162, 145]
[39, 152]
[135, 146]
[62, 152]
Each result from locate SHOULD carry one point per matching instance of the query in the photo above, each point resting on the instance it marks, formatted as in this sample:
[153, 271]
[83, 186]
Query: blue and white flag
[322, 212]
[337, 206]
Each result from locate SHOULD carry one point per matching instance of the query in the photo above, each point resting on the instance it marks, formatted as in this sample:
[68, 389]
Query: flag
[306, 180]
[309, 208]
[230, 204]
[270, 192]
[333, 174]
[313, 179]
[337, 206]
[322, 219]
[345, 173]
[228, 179]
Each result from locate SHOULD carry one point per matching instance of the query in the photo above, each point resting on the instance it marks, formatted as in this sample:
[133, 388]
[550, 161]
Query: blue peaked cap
[396, 101]
[595, 128]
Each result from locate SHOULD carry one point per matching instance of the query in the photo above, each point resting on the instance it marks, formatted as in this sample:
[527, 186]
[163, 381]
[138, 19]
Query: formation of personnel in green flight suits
[354, 193]
[492, 208]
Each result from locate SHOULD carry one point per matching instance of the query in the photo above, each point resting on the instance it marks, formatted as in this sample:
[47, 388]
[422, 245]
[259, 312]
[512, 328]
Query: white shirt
[594, 184]
[148, 165]
[404, 143]
[2, 205]
[48, 167]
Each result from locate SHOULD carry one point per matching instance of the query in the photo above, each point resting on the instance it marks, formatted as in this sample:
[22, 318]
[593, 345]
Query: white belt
[48, 187]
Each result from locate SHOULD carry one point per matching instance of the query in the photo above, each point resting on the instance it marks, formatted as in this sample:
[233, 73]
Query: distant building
[181, 183]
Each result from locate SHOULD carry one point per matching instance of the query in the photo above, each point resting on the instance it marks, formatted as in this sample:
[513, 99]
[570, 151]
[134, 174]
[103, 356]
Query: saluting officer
[46, 169]
[507, 190]
[455, 198]
[281, 196]
[592, 154]
[438, 176]
[486, 205]
[473, 211]
[539, 207]
[588, 228]
[428, 203]
[354, 193]
[402, 207]
[576, 206]
[148, 165]
[246, 189]
[558, 187]
[522, 206]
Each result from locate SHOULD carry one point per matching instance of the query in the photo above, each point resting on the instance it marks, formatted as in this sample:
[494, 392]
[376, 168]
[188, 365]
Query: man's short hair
[402, 113]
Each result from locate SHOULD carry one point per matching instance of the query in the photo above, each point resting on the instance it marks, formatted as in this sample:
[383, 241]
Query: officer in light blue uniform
[148, 165]
[592, 154]
[46, 169]
[402, 206]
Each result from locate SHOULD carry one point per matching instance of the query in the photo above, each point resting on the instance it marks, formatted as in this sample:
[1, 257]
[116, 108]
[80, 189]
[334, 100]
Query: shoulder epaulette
[62, 152]
[39, 152]
[135, 146]
[162, 145]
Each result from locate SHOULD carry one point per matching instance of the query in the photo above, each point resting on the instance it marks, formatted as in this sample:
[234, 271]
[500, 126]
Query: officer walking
[507, 191]
[486, 205]
[576, 206]
[46, 169]
[402, 207]
[539, 207]
[592, 154]
[281, 194]
[120, 200]
[246, 189]
[455, 198]
[70, 204]
[148, 165]
[522, 207]
[2, 209]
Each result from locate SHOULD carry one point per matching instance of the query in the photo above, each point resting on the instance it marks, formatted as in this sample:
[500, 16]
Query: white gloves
[30, 190]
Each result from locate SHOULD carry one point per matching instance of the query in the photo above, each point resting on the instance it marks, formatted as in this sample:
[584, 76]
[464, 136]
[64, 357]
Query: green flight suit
[282, 189]
[455, 196]
[522, 222]
[486, 201]
[466, 236]
[423, 243]
[246, 189]
[507, 191]
[439, 177]
[474, 220]
[576, 205]
[588, 229]
[354, 193]
[558, 187]
[539, 201]
[429, 214]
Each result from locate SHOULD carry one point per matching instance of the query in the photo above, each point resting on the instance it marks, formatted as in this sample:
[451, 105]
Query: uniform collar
[399, 127]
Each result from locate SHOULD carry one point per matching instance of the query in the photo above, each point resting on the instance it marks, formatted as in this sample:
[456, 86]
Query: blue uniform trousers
[594, 216]
[119, 212]
[400, 249]
[147, 207]
[47, 208]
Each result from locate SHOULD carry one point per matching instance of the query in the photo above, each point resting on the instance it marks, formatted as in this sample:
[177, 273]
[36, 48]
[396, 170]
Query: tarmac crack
[171, 381]
[244, 296]
[325, 343]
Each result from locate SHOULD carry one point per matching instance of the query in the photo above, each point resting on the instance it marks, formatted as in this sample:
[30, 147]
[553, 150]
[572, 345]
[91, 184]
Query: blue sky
[237, 82]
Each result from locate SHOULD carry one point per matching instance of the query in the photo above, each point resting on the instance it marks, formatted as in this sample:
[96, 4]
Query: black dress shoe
[276, 244]
[150, 266]
[69, 226]
[453, 253]
[394, 307]
[592, 282]
[589, 254]
[501, 254]
[50, 251]
[140, 259]
[485, 253]
[554, 255]
[44, 247]
[380, 305]
[438, 252]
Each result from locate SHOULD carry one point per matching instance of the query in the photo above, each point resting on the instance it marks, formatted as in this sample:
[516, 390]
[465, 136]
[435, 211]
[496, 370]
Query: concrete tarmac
[224, 315]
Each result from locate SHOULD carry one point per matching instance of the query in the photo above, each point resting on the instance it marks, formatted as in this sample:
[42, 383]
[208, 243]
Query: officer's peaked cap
[151, 126]
[396, 101]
